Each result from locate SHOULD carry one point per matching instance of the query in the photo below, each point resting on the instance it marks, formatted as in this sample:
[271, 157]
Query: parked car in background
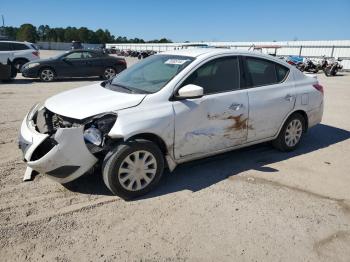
[19, 52]
[76, 63]
[76, 45]
[294, 60]
[167, 109]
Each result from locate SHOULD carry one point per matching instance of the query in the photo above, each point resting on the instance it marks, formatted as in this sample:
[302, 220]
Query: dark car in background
[75, 63]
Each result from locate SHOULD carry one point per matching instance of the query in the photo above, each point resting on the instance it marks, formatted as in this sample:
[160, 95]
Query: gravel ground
[254, 204]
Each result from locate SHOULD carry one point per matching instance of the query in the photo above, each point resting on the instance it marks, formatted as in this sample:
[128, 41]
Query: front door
[219, 119]
[72, 65]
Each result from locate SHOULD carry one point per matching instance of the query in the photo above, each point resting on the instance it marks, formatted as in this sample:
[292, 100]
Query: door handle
[236, 107]
[289, 97]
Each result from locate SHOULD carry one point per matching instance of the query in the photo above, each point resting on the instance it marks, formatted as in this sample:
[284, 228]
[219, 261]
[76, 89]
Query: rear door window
[75, 55]
[4, 46]
[219, 75]
[18, 46]
[263, 72]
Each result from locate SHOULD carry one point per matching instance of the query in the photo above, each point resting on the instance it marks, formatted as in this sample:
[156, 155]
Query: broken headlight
[96, 131]
[93, 136]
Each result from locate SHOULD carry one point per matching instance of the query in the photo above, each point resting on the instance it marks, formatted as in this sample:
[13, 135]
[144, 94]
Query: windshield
[151, 74]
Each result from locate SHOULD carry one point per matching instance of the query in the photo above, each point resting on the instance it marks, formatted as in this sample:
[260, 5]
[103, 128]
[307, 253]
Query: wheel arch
[153, 138]
[298, 111]
[19, 59]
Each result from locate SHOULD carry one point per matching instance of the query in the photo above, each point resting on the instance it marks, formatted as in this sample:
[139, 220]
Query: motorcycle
[308, 66]
[331, 68]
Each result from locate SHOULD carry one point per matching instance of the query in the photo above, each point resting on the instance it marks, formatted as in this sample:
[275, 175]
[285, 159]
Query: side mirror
[190, 91]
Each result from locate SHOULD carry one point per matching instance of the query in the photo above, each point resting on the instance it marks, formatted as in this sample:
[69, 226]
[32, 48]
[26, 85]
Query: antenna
[3, 20]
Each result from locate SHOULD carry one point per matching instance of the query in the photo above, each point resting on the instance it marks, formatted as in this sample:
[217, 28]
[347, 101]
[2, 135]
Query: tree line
[30, 33]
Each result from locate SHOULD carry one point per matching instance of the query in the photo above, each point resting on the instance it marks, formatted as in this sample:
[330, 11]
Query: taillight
[122, 62]
[319, 88]
[36, 53]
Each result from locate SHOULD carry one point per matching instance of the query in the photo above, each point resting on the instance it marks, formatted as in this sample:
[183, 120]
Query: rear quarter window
[282, 72]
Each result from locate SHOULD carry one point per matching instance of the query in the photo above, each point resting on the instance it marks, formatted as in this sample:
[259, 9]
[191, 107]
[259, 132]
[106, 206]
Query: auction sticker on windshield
[176, 61]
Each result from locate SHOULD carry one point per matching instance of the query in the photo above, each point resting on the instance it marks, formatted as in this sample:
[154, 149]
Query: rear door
[271, 96]
[216, 121]
[74, 64]
[94, 63]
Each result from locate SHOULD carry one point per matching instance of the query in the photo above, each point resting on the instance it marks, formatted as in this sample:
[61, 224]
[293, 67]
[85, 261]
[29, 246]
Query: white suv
[18, 52]
[168, 109]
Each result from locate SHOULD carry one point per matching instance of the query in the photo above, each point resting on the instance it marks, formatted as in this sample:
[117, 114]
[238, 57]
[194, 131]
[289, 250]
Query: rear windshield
[34, 46]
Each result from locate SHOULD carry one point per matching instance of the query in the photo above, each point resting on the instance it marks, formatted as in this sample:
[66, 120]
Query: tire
[109, 73]
[293, 128]
[47, 75]
[132, 183]
[326, 72]
[13, 72]
[19, 63]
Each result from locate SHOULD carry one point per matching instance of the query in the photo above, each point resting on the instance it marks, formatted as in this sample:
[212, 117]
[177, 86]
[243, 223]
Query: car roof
[84, 50]
[16, 42]
[196, 52]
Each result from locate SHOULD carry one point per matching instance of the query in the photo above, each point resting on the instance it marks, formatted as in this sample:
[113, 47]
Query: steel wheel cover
[293, 132]
[137, 170]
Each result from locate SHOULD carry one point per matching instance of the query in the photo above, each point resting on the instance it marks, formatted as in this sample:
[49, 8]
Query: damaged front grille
[47, 122]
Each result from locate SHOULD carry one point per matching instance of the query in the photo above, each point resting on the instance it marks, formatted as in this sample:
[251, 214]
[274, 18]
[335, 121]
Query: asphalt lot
[253, 204]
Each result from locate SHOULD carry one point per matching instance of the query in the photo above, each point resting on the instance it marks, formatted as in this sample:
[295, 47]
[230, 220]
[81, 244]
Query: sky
[191, 20]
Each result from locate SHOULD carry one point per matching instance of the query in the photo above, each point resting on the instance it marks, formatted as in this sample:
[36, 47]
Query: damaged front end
[62, 147]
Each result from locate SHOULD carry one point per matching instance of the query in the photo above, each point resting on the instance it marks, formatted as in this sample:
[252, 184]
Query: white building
[314, 49]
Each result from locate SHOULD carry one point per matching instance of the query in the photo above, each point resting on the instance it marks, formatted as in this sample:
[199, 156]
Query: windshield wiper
[124, 87]
[133, 90]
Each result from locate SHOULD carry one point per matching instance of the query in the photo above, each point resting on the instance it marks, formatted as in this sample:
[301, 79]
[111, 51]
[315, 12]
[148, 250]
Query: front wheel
[47, 75]
[290, 134]
[109, 73]
[133, 168]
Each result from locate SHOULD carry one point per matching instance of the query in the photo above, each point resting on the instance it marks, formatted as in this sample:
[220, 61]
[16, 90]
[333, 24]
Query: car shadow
[200, 174]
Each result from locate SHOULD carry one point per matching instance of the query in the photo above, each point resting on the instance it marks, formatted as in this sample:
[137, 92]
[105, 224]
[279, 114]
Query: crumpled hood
[83, 102]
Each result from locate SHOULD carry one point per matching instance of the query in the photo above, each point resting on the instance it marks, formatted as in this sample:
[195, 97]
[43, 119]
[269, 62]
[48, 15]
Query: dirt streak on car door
[210, 123]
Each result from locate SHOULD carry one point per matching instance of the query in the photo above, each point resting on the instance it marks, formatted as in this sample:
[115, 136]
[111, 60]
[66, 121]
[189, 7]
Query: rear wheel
[109, 73]
[47, 75]
[291, 133]
[133, 168]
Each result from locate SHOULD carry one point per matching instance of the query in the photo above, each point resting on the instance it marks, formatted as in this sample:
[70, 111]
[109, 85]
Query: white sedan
[168, 109]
